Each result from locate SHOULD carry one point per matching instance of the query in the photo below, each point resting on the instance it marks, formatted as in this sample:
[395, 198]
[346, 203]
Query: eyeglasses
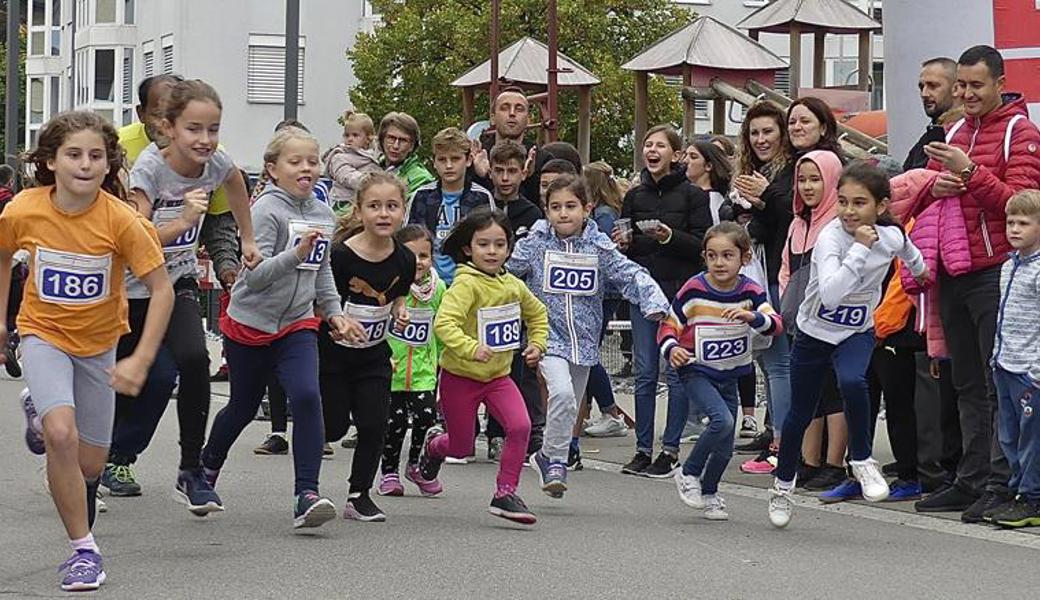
[393, 140]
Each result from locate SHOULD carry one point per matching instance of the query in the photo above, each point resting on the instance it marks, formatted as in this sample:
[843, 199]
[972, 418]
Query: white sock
[786, 486]
[85, 543]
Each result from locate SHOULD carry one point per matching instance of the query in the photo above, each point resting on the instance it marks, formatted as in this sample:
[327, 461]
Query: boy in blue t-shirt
[441, 204]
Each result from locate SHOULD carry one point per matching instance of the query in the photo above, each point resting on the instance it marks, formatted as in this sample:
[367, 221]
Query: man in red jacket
[992, 153]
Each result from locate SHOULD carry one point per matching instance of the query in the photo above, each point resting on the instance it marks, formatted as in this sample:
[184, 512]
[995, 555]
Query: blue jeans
[599, 387]
[775, 362]
[646, 358]
[293, 359]
[713, 450]
[1018, 427]
[810, 357]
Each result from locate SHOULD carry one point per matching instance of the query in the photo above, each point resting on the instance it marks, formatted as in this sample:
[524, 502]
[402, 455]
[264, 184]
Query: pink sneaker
[427, 487]
[390, 485]
[763, 464]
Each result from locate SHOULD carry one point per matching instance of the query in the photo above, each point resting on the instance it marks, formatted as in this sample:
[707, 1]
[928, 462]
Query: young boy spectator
[440, 204]
[551, 171]
[1016, 362]
[507, 160]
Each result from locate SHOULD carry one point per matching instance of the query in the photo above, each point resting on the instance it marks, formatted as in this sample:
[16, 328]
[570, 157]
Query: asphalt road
[612, 536]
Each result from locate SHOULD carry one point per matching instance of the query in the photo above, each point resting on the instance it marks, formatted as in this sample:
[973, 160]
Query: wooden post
[718, 116]
[468, 107]
[640, 121]
[689, 114]
[584, 122]
[864, 60]
[819, 48]
[753, 34]
[796, 59]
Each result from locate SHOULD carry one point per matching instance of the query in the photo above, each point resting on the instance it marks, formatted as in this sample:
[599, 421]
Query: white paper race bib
[297, 229]
[417, 332]
[69, 278]
[852, 313]
[571, 273]
[375, 320]
[723, 346]
[184, 241]
[498, 327]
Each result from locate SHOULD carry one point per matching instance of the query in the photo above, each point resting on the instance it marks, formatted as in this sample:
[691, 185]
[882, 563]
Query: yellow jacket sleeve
[449, 324]
[535, 317]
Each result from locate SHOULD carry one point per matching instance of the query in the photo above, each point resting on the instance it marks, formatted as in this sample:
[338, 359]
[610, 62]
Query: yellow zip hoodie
[456, 321]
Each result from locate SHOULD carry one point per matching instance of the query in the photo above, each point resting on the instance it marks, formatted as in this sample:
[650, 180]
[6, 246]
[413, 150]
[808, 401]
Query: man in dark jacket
[509, 121]
[935, 84]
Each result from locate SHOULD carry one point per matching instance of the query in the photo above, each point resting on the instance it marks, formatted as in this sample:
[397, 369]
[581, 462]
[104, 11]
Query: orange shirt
[74, 296]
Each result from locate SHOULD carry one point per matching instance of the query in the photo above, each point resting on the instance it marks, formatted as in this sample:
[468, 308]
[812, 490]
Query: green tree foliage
[410, 60]
[3, 79]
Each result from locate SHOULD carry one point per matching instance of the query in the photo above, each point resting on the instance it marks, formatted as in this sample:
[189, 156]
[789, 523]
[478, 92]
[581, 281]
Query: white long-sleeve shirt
[845, 281]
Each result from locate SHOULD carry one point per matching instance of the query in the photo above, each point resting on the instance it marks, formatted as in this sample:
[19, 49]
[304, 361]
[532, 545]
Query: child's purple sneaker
[390, 485]
[427, 487]
[33, 425]
[83, 572]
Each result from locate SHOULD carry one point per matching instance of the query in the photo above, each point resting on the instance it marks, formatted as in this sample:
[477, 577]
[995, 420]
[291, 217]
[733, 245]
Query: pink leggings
[460, 397]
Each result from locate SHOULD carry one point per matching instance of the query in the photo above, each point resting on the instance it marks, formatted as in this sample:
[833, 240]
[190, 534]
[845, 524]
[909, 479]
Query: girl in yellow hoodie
[479, 326]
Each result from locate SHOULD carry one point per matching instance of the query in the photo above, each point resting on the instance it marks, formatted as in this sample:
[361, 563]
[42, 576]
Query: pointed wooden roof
[832, 16]
[526, 61]
[705, 42]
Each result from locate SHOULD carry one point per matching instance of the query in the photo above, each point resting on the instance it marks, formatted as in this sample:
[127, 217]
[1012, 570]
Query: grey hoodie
[281, 289]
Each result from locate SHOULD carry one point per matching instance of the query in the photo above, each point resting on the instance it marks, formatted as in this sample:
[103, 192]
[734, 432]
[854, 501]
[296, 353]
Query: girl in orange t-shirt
[80, 238]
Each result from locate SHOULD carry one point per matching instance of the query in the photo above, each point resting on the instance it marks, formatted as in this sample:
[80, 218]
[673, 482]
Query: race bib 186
[297, 229]
[417, 332]
[69, 278]
[498, 327]
[723, 346]
[374, 319]
[851, 314]
[571, 273]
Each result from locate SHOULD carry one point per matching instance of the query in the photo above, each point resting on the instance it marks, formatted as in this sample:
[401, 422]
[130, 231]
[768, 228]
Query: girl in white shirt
[836, 325]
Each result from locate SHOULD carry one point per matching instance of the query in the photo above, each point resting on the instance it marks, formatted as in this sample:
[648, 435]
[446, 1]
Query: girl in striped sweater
[707, 338]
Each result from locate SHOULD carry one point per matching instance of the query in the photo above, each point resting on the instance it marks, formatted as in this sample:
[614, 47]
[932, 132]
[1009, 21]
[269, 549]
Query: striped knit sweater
[1017, 345]
[720, 349]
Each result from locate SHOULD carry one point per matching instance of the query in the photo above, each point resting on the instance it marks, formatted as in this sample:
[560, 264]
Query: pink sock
[85, 543]
[504, 490]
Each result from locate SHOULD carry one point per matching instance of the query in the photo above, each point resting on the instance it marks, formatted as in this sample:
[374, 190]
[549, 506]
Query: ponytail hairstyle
[602, 187]
[350, 224]
[876, 182]
[57, 130]
[478, 219]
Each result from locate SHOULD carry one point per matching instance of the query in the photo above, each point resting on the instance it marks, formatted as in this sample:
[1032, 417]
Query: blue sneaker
[311, 510]
[33, 425]
[83, 572]
[194, 491]
[901, 490]
[846, 490]
[551, 474]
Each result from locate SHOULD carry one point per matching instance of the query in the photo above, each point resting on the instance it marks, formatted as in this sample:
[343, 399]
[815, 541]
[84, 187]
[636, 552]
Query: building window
[782, 81]
[44, 22]
[128, 12]
[55, 105]
[105, 11]
[167, 54]
[35, 100]
[265, 80]
[844, 70]
[104, 74]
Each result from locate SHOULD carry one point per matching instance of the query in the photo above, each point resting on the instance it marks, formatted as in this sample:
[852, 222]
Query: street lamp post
[292, 58]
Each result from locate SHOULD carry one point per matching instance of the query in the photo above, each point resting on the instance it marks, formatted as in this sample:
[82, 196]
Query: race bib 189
[297, 229]
[723, 346]
[69, 278]
[374, 319]
[184, 241]
[851, 314]
[417, 332]
[571, 273]
[498, 327]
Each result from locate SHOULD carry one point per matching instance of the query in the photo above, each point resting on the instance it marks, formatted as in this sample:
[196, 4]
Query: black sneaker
[826, 478]
[890, 470]
[11, 362]
[274, 444]
[311, 510]
[952, 499]
[988, 515]
[430, 467]
[663, 467]
[1019, 513]
[511, 507]
[759, 443]
[987, 501]
[638, 464]
[574, 459]
[806, 473]
[359, 507]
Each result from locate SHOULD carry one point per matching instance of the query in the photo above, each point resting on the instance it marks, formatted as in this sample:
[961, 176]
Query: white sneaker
[868, 474]
[101, 507]
[689, 489]
[781, 506]
[608, 426]
[748, 427]
[715, 508]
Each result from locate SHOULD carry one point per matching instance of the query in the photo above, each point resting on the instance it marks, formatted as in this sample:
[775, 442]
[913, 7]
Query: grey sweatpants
[566, 384]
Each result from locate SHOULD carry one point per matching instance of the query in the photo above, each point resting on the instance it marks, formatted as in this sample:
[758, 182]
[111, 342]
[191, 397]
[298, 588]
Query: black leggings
[746, 387]
[362, 397]
[279, 405]
[421, 407]
[14, 296]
